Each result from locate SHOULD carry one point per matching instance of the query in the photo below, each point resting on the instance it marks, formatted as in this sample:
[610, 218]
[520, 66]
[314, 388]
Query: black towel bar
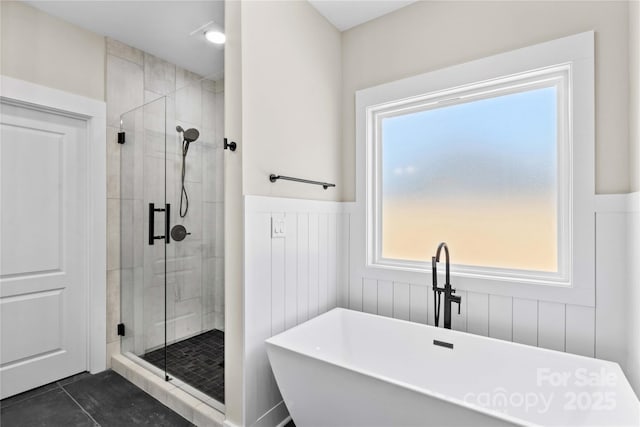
[325, 185]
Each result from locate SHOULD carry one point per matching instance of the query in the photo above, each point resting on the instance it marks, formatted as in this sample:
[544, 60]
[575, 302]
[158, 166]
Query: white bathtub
[346, 368]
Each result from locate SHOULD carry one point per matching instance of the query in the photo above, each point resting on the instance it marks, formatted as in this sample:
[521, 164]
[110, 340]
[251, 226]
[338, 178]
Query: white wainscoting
[599, 331]
[288, 280]
[633, 295]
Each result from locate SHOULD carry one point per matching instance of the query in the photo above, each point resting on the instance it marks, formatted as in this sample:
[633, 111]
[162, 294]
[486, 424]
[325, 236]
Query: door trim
[93, 112]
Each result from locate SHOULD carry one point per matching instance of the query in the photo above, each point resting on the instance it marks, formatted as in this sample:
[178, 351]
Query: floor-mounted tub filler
[346, 368]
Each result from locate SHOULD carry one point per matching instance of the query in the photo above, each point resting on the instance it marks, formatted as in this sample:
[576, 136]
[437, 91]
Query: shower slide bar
[274, 178]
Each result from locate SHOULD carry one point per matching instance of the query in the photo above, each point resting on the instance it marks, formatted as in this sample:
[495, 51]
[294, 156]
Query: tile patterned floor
[198, 361]
[102, 400]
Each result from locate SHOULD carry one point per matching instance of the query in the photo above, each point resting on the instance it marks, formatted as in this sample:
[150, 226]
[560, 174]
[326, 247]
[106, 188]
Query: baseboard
[285, 422]
[276, 416]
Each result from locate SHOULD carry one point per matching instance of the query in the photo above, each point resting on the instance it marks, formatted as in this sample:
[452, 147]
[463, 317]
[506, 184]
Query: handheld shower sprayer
[188, 136]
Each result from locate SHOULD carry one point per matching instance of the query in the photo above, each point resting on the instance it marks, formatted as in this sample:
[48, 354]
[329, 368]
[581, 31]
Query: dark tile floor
[198, 361]
[105, 399]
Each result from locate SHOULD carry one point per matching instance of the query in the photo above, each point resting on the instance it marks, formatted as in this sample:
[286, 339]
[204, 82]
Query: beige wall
[431, 35]
[234, 220]
[45, 50]
[634, 94]
[291, 83]
[633, 239]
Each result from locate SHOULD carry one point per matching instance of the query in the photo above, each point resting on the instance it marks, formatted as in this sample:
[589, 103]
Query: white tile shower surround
[289, 280]
[133, 78]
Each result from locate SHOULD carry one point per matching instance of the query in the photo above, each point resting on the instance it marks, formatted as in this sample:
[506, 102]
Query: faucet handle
[457, 300]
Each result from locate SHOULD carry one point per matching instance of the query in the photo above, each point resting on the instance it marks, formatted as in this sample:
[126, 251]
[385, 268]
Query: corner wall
[634, 94]
[633, 247]
[286, 118]
[291, 79]
[43, 49]
[426, 36]
[288, 280]
[633, 296]
[234, 221]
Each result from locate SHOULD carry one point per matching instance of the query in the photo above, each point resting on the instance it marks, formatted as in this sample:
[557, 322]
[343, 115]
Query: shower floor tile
[198, 361]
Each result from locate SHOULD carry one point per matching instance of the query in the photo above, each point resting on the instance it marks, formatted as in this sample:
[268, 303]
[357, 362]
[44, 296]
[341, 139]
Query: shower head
[190, 135]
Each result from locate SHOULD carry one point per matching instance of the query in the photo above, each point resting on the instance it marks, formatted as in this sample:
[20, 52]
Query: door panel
[32, 187]
[17, 343]
[43, 236]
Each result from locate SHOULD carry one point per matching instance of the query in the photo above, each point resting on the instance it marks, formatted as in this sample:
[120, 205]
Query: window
[482, 168]
[492, 157]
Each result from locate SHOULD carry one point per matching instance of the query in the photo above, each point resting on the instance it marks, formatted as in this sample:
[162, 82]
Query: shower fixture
[188, 136]
[178, 233]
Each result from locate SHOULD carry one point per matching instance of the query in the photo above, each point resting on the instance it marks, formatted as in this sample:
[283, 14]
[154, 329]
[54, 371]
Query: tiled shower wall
[195, 288]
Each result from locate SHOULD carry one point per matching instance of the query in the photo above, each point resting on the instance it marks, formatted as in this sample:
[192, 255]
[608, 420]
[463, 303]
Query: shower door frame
[161, 206]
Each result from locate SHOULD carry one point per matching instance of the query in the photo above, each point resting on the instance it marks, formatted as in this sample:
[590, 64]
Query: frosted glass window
[481, 175]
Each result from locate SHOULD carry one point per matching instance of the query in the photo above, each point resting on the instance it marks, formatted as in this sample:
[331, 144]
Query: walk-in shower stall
[172, 240]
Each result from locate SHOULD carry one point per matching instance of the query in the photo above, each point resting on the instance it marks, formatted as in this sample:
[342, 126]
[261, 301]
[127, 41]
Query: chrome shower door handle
[152, 215]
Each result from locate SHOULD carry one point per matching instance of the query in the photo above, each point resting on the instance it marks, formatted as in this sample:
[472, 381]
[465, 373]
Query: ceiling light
[215, 37]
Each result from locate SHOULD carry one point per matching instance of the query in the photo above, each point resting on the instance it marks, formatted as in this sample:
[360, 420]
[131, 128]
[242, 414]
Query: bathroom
[290, 92]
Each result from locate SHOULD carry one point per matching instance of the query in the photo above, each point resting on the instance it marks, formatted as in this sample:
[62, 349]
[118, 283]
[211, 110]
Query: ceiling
[171, 30]
[345, 14]
[174, 30]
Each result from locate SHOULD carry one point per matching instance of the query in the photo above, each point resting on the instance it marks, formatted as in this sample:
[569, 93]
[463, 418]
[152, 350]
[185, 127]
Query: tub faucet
[449, 298]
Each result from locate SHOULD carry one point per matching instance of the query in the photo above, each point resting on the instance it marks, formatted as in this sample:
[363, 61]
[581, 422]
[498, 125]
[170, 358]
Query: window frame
[572, 59]
[558, 77]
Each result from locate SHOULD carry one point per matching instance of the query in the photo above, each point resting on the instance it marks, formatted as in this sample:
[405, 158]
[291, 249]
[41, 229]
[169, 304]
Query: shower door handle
[152, 217]
[167, 223]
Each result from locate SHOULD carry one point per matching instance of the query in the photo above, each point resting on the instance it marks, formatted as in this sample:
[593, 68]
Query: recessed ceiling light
[215, 37]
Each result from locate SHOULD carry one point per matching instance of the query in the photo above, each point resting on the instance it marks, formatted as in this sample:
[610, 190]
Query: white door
[43, 247]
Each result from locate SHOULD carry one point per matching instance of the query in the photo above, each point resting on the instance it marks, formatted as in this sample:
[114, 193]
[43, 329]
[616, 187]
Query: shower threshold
[195, 365]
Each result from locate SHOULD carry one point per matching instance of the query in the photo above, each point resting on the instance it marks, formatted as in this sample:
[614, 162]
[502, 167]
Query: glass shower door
[172, 237]
[145, 216]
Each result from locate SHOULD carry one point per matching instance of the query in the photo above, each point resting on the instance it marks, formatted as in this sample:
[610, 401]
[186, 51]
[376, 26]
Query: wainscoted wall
[291, 279]
[539, 323]
[633, 296]
[288, 280]
[598, 331]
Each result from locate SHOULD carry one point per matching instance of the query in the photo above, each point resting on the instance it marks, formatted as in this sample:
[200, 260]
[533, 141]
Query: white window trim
[577, 284]
[557, 77]
[93, 112]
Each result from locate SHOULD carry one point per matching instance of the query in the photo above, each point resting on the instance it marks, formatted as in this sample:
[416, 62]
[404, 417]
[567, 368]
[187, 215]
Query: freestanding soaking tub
[346, 368]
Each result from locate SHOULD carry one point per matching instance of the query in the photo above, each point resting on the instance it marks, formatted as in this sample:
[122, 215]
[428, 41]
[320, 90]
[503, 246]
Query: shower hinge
[121, 329]
[120, 137]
